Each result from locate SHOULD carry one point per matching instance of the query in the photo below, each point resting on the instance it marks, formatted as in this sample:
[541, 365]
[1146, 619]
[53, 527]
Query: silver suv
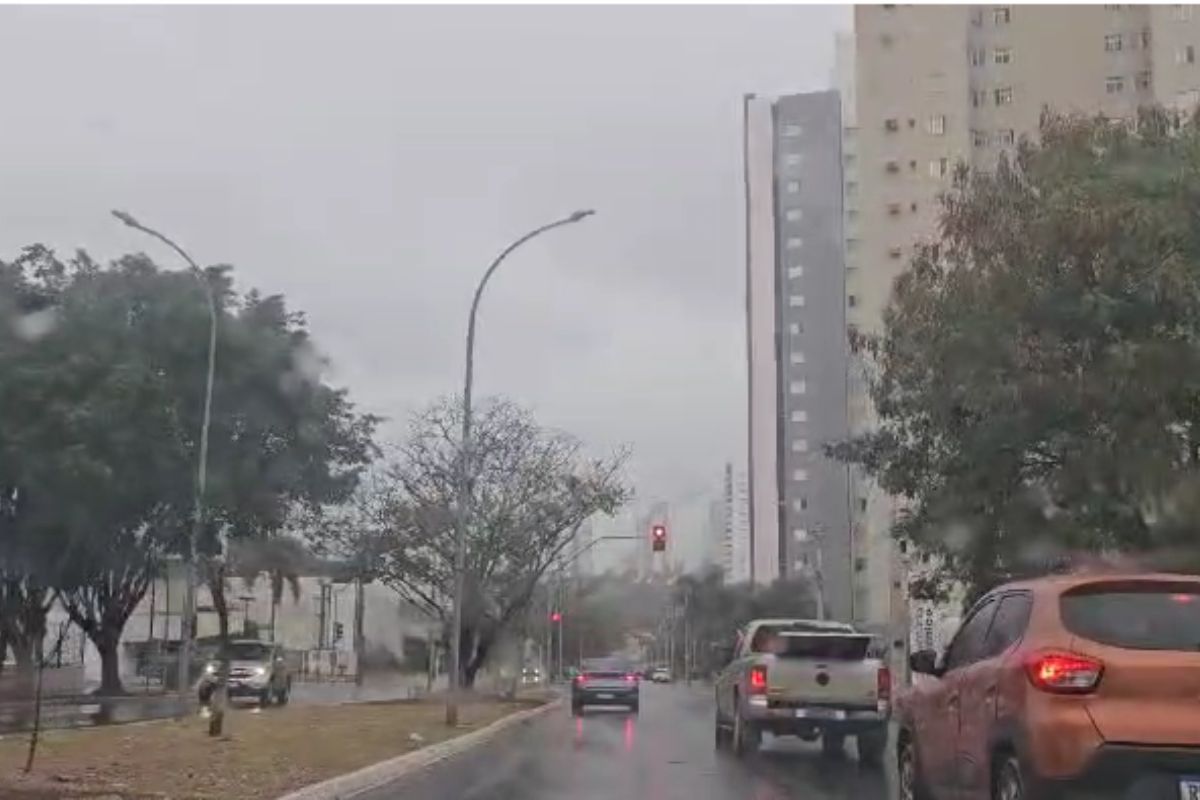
[256, 669]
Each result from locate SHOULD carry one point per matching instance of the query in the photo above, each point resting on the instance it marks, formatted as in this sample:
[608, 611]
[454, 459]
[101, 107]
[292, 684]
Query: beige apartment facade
[937, 85]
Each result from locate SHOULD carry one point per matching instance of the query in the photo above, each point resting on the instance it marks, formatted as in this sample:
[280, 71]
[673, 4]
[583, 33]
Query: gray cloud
[369, 162]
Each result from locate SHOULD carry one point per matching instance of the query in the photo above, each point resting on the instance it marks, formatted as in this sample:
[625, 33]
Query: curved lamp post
[464, 481]
[189, 605]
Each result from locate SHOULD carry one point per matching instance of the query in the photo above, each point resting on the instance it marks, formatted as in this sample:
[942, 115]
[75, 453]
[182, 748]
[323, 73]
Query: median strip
[310, 752]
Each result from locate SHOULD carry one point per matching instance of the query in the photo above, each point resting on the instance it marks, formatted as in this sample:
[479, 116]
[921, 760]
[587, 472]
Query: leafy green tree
[1037, 379]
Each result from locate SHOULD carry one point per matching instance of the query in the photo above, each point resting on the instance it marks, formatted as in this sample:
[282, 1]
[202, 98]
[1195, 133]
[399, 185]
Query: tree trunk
[274, 606]
[216, 722]
[107, 645]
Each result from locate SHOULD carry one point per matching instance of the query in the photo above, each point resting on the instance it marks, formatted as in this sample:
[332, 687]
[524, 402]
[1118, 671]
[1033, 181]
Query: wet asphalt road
[664, 753]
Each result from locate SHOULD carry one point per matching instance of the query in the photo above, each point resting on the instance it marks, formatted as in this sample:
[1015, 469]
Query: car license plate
[820, 713]
[1189, 788]
[604, 697]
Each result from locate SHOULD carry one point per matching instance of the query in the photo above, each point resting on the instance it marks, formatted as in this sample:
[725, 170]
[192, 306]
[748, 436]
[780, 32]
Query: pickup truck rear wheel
[746, 736]
[833, 744]
[871, 746]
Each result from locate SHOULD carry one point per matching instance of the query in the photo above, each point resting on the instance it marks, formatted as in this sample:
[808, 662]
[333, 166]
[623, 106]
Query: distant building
[797, 343]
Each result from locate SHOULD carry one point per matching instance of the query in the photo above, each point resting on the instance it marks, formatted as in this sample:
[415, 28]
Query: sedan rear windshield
[1137, 616]
[607, 666]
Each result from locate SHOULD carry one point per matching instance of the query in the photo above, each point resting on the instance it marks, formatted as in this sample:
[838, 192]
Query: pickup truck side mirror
[924, 662]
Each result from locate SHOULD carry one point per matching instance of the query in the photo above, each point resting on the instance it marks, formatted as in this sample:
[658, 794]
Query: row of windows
[1115, 84]
[1115, 42]
[1001, 15]
[1005, 137]
[935, 125]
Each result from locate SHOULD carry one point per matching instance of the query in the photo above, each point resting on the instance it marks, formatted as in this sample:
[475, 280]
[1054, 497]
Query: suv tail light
[758, 679]
[581, 679]
[1064, 673]
[883, 685]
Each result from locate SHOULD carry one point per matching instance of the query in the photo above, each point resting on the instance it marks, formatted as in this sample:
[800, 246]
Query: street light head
[126, 218]
[581, 215]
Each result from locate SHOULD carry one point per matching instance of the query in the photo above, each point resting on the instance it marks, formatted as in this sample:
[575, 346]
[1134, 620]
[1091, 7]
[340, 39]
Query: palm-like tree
[281, 558]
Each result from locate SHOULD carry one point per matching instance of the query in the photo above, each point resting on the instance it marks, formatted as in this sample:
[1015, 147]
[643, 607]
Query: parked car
[806, 678]
[531, 676]
[660, 675]
[256, 669]
[1087, 684]
[605, 682]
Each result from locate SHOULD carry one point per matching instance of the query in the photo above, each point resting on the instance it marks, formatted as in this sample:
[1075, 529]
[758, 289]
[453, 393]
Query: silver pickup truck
[806, 678]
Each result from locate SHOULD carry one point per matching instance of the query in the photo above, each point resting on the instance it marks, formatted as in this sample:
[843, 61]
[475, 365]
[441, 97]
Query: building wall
[761, 339]
[939, 85]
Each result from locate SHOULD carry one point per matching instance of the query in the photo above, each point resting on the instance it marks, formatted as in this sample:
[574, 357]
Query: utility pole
[359, 639]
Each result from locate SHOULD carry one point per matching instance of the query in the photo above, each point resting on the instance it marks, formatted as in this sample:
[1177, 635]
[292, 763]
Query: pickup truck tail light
[883, 685]
[1064, 673]
[758, 679]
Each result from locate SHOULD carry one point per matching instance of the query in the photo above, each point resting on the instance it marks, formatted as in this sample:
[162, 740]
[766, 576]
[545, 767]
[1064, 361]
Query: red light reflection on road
[629, 734]
[578, 731]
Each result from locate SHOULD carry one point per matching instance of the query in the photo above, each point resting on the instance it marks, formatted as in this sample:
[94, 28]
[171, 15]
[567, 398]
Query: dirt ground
[265, 754]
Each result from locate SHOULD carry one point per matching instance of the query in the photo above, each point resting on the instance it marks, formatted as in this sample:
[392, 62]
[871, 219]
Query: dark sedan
[605, 682]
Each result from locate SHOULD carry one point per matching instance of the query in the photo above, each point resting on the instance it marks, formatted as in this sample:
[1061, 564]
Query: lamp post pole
[186, 631]
[463, 509]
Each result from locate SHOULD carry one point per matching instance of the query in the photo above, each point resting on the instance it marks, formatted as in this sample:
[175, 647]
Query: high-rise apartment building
[734, 547]
[939, 85]
[797, 350]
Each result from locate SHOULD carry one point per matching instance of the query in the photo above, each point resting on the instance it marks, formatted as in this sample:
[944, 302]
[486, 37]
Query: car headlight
[210, 668]
[260, 671]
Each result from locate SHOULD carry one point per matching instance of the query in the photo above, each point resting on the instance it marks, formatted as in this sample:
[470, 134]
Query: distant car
[605, 682]
[531, 676]
[1063, 686]
[256, 669]
[660, 675]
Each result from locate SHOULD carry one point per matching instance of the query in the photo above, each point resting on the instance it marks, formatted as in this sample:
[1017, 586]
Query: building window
[885, 39]
[895, 252]
[1006, 137]
[791, 159]
[977, 16]
[979, 98]
[1114, 84]
[851, 188]
[800, 475]
[794, 328]
[799, 445]
[978, 57]
[794, 215]
[893, 166]
[1004, 96]
[1002, 55]
[912, 165]
[913, 206]
[893, 209]
[1001, 15]
[798, 387]
[1144, 37]
[793, 187]
[892, 125]
[912, 123]
[851, 244]
[792, 130]
[979, 138]
[1143, 80]
[797, 356]
[802, 504]
[796, 301]
[800, 415]
[939, 167]
[1183, 13]
[794, 243]
[796, 271]
[852, 301]
[1189, 54]
[1112, 42]
[936, 125]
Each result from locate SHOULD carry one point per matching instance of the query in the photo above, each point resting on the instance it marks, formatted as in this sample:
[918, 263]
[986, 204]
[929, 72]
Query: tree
[531, 489]
[1036, 379]
[282, 558]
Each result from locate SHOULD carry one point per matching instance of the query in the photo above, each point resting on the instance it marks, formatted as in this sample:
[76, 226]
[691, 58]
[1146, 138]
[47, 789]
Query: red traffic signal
[556, 616]
[658, 538]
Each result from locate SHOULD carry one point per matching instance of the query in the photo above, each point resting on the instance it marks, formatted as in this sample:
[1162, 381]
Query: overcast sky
[369, 162]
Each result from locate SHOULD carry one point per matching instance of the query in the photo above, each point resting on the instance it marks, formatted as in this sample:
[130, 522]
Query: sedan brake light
[631, 678]
[758, 679]
[1064, 673]
[581, 679]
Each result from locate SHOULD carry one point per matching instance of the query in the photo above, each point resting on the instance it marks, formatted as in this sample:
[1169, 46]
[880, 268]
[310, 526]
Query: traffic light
[658, 538]
[556, 616]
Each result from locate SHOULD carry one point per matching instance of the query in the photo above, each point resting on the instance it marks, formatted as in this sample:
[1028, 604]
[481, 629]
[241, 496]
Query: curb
[374, 776]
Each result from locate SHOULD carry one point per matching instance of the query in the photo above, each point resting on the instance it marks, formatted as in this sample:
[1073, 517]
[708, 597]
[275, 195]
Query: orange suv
[1081, 685]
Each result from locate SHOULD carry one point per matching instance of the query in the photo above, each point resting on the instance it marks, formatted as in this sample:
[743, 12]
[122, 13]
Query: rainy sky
[369, 162]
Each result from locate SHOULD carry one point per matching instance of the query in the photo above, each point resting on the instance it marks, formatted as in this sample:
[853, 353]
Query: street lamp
[464, 485]
[189, 602]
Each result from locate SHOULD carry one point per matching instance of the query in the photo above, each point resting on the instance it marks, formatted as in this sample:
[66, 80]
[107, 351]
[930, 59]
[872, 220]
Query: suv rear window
[1137, 616]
